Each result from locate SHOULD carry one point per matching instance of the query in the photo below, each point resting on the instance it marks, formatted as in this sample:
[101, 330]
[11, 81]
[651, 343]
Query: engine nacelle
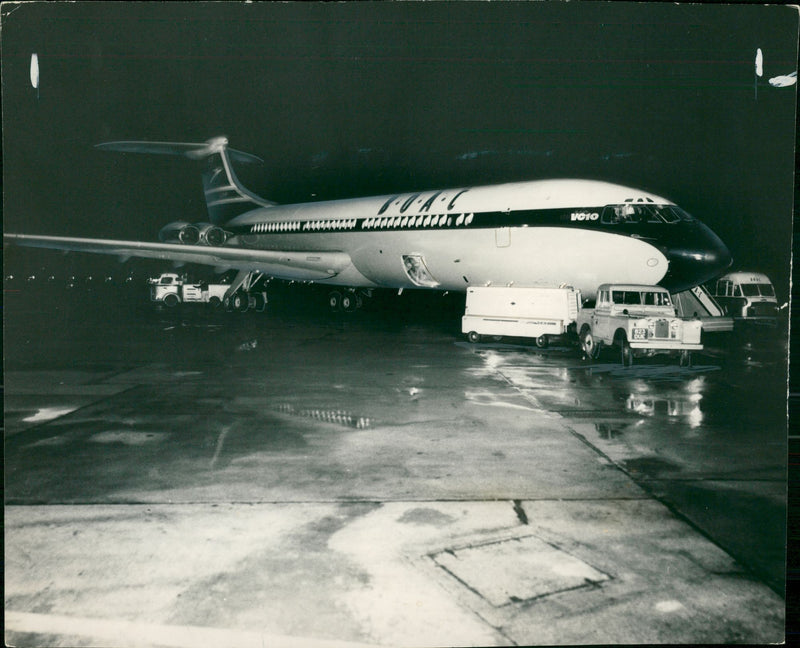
[180, 232]
[211, 234]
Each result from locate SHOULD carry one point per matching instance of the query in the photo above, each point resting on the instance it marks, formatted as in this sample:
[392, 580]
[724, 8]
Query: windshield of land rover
[629, 298]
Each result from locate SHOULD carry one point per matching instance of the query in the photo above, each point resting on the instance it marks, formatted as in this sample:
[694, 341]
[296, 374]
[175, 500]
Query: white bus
[746, 296]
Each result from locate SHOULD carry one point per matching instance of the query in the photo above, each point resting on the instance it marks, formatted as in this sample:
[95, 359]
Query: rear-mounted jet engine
[192, 234]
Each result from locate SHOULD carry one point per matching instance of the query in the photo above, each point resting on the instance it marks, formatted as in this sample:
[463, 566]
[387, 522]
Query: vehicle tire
[686, 359]
[626, 353]
[215, 302]
[171, 300]
[589, 346]
[542, 341]
[335, 300]
[473, 337]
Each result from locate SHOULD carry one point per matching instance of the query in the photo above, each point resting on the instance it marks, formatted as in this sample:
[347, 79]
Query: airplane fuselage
[545, 232]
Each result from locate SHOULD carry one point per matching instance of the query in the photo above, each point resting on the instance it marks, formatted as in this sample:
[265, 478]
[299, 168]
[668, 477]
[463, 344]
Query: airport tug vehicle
[637, 319]
[537, 312]
[172, 289]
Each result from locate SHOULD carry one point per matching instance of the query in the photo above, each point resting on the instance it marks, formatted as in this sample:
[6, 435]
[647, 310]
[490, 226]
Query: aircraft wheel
[349, 302]
[542, 341]
[240, 303]
[590, 348]
[171, 300]
[473, 337]
[335, 300]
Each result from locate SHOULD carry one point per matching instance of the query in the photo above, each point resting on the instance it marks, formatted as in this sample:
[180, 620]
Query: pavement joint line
[644, 485]
[120, 372]
[103, 398]
[483, 617]
[126, 633]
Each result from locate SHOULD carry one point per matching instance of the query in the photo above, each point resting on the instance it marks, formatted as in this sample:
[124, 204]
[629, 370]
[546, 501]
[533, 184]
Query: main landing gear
[247, 292]
[348, 300]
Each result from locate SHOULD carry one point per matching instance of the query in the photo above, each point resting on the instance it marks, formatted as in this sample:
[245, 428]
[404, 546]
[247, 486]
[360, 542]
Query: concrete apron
[382, 535]
[400, 574]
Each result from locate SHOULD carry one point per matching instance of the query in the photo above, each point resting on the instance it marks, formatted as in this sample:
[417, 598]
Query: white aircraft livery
[546, 232]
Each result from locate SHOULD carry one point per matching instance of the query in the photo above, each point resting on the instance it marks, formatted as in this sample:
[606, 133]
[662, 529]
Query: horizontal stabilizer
[191, 150]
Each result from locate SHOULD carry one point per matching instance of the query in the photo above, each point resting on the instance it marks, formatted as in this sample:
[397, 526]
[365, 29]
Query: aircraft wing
[300, 266]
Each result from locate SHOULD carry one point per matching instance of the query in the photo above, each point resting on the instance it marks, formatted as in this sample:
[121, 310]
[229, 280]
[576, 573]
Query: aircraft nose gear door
[417, 271]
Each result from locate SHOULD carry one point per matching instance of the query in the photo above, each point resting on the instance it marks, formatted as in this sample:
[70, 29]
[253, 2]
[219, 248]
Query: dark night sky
[355, 99]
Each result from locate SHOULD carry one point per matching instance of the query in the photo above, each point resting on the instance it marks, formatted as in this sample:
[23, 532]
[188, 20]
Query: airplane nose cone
[699, 257]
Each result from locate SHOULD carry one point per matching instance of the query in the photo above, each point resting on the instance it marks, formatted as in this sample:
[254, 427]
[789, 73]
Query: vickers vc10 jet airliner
[547, 232]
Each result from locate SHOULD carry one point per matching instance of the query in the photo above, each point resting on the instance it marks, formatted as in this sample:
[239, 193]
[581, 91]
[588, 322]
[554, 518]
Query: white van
[746, 295]
[537, 313]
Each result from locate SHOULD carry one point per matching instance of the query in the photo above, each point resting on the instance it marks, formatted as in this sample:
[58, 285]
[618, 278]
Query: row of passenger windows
[439, 220]
[369, 223]
[305, 226]
[275, 227]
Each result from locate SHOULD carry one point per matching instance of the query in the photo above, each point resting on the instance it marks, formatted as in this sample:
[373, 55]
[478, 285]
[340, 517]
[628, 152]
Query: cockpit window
[615, 214]
[677, 211]
[640, 213]
[629, 213]
[667, 215]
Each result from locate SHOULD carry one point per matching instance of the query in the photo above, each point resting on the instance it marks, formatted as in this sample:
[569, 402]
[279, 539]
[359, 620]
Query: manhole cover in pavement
[518, 569]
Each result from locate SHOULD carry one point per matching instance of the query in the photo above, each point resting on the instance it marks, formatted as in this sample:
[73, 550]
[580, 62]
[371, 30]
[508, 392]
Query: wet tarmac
[297, 477]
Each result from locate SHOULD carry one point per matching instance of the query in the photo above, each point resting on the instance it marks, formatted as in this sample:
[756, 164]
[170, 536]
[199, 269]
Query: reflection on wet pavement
[665, 425]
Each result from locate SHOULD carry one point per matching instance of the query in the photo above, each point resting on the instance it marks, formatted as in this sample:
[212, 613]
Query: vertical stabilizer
[225, 195]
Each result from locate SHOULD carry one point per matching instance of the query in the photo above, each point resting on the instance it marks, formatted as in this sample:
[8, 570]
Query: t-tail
[225, 195]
